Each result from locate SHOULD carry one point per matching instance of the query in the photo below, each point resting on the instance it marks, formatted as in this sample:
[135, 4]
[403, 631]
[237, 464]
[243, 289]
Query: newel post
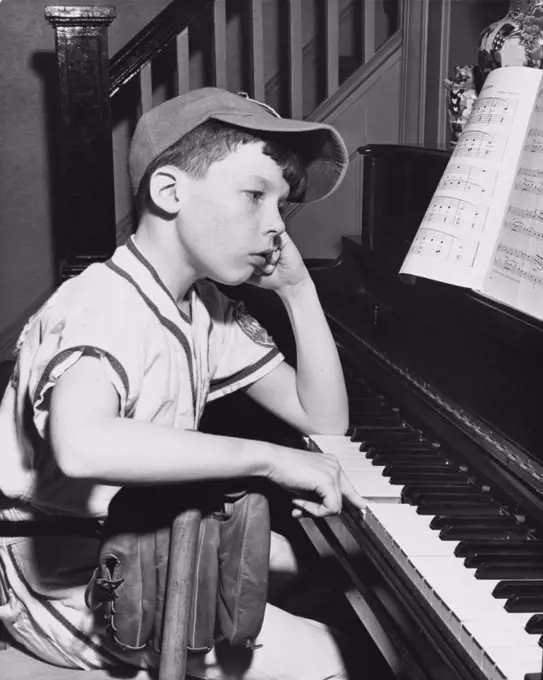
[84, 142]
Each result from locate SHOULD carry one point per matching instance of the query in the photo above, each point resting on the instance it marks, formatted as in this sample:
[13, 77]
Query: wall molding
[414, 28]
[445, 41]
[356, 85]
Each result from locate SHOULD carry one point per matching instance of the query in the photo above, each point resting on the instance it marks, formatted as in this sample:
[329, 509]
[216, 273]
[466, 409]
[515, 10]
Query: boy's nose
[275, 223]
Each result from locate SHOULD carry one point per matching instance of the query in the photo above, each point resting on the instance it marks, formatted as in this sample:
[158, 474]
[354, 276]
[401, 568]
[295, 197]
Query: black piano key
[506, 589]
[497, 572]
[464, 510]
[415, 494]
[423, 498]
[420, 470]
[429, 478]
[397, 447]
[380, 423]
[370, 400]
[495, 534]
[442, 521]
[476, 561]
[535, 624]
[515, 544]
[429, 458]
[397, 438]
[524, 604]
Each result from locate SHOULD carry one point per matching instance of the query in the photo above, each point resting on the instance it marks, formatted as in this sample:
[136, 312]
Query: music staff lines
[455, 212]
[468, 179]
[534, 141]
[525, 221]
[483, 145]
[495, 110]
[530, 181]
[445, 247]
[520, 263]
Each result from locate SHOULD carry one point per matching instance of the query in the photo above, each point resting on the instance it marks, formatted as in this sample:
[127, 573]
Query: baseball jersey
[164, 364]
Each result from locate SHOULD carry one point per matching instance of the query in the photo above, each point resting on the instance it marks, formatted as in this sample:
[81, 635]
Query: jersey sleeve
[70, 329]
[242, 351]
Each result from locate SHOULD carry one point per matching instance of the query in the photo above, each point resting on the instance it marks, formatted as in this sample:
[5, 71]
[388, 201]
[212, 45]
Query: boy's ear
[166, 188]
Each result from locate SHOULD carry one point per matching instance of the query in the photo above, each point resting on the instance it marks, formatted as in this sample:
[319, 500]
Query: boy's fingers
[351, 493]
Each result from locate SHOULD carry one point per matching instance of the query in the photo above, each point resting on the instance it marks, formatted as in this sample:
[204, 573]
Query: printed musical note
[435, 244]
[534, 141]
[478, 144]
[530, 181]
[468, 179]
[454, 212]
[525, 221]
[519, 264]
[493, 110]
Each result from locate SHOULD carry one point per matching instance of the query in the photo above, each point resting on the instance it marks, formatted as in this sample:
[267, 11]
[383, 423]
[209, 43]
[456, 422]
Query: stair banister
[84, 145]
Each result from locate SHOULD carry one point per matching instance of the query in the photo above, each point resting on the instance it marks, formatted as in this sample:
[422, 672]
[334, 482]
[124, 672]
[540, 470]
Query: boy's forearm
[121, 451]
[319, 376]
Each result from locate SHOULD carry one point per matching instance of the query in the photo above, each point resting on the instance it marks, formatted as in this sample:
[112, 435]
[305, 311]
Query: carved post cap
[62, 15]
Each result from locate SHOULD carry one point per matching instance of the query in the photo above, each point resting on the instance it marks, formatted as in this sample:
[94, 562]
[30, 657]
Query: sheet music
[516, 272]
[456, 240]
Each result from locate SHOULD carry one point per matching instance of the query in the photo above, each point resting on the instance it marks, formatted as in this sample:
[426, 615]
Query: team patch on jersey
[250, 326]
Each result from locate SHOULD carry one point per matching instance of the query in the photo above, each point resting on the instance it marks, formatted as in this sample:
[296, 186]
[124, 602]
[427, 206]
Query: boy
[113, 373]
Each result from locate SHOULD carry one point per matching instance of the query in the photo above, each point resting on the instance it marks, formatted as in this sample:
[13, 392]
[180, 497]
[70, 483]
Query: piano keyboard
[477, 563]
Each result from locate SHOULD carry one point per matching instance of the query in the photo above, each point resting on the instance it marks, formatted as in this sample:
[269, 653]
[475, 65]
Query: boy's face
[232, 215]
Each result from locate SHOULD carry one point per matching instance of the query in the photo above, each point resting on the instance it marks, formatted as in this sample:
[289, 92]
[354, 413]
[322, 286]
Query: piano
[445, 570]
[445, 442]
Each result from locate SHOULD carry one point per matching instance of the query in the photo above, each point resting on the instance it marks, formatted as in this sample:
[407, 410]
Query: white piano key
[366, 478]
[477, 620]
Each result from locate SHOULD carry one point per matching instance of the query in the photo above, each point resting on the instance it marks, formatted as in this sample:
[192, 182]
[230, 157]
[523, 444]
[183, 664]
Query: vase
[461, 95]
[515, 40]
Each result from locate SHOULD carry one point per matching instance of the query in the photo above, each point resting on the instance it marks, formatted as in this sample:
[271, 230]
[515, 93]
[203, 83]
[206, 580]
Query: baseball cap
[324, 153]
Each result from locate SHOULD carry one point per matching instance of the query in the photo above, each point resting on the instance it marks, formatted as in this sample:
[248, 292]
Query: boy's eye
[255, 196]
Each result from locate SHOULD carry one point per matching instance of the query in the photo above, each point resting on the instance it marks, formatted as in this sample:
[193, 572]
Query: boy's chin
[233, 279]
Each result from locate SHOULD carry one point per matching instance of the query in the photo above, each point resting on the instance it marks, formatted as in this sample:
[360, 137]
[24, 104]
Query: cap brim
[327, 163]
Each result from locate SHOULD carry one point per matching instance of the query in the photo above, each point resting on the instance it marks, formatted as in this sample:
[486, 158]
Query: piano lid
[481, 355]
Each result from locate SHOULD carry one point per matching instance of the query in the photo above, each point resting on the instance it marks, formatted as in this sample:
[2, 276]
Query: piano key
[429, 458]
[366, 479]
[535, 625]
[466, 510]
[490, 534]
[396, 438]
[422, 498]
[442, 521]
[505, 561]
[388, 422]
[498, 572]
[517, 603]
[371, 450]
[429, 478]
[465, 606]
[419, 468]
[505, 589]
[414, 494]
[516, 545]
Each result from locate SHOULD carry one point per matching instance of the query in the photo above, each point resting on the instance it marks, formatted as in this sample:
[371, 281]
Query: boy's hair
[213, 141]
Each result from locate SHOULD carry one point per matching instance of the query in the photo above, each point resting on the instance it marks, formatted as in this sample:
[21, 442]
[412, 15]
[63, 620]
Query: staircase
[333, 60]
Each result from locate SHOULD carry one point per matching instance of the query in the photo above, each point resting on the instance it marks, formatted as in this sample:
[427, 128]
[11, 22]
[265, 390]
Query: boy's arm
[90, 441]
[313, 398]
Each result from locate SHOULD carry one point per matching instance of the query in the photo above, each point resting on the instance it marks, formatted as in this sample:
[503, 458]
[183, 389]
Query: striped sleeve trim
[247, 376]
[67, 358]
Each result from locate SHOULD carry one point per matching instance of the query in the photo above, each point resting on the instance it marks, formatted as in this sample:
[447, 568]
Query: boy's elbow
[72, 452]
[337, 426]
